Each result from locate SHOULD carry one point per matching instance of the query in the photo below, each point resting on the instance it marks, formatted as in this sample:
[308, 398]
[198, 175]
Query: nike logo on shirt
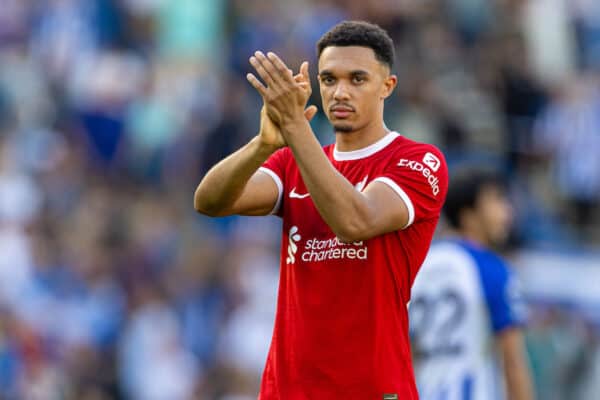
[361, 185]
[294, 195]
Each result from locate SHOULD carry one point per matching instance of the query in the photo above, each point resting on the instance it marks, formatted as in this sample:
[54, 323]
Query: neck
[474, 236]
[361, 138]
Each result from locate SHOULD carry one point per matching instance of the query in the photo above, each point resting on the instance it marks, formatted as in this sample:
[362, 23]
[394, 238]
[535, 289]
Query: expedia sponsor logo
[426, 172]
[432, 161]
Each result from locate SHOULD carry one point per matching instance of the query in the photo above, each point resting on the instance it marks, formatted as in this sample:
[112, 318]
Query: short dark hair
[464, 190]
[360, 33]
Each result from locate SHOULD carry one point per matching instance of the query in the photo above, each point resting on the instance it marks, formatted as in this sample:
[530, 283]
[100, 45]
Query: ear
[388, 86]
[467, 218]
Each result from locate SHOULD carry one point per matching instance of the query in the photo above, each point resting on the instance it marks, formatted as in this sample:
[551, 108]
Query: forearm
[517, 379]
[516, 369]
[225, 182]
[343, 208]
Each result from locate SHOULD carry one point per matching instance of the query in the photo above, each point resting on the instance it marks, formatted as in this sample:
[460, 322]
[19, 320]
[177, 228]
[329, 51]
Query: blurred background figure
[466, 310]
[112, 287]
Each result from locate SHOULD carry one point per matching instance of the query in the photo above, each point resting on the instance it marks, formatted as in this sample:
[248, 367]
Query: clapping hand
[285, 95]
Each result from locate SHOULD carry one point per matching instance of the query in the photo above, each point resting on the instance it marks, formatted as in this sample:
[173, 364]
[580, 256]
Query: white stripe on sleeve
[403, 196]
[279, 184]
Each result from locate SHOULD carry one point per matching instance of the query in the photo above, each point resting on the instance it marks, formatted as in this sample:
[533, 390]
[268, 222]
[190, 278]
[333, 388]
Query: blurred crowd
[111, 287]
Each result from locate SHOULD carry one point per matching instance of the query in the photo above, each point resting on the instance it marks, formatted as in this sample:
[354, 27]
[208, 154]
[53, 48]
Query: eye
[328, 80]
[358, 79]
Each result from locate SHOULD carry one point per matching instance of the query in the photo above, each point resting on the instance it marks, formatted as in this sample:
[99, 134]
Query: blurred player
[358, 218]
[465, 315]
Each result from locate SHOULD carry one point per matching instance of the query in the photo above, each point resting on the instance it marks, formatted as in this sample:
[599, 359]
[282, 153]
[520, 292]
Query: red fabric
[341, 328]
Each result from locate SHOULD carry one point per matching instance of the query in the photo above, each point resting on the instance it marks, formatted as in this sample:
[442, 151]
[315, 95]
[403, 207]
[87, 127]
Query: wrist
[261, 149]
[294, 126]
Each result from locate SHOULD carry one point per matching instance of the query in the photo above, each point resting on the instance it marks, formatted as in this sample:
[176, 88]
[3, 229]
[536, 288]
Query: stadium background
[111, 287]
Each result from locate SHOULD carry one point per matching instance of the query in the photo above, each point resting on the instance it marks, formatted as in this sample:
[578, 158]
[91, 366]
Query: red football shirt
[341, 328]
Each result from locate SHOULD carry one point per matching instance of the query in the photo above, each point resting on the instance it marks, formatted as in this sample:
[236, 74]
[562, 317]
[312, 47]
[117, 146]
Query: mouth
[341, 111]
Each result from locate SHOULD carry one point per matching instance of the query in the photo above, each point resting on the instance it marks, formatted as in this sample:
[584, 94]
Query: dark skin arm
[235, 185]
[352, 215]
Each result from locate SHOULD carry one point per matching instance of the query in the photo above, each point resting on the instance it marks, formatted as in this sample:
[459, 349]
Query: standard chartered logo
[294, 237]
[315, 250]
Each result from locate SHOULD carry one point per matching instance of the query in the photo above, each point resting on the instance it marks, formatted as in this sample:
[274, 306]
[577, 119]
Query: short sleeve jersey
[341, 325]
[462, 297]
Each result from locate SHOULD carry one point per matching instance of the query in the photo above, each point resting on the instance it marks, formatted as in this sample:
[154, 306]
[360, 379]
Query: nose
[341, 93]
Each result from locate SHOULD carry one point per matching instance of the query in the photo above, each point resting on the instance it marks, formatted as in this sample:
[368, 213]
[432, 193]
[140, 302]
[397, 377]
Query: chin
[500, 240]
[343, 128]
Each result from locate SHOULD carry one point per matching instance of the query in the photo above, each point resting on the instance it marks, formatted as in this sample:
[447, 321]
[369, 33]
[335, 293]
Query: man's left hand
[285, 95]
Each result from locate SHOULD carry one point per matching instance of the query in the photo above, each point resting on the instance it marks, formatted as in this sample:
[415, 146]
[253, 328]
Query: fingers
[260, 66]
[271, 69]
[304, 70]
[310, 112]
[257, 85]
[306, 87]
[284, 72]
[303, 78]
[303, 75]
[275, 74]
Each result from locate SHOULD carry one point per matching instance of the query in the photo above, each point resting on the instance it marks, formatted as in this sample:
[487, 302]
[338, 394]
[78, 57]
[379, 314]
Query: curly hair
[360, 33]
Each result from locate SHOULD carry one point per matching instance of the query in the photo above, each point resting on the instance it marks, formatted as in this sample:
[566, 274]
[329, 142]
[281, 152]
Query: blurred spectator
[153, 363]
[569, 133]
[586, 15]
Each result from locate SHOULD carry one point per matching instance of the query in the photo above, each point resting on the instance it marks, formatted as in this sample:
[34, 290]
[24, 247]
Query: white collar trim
[365, 151]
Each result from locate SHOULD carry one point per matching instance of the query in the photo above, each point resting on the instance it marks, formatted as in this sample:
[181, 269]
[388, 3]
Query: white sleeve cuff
[403, 196]
[279, 184]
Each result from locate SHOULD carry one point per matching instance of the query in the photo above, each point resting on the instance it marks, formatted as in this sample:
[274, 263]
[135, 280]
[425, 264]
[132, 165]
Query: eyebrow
[357, 72]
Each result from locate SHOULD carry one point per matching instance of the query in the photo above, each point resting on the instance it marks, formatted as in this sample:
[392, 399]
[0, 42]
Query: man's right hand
[270, 134]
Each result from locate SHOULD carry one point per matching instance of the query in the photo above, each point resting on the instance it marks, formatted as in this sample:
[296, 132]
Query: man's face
[353, 86]
[495, 214]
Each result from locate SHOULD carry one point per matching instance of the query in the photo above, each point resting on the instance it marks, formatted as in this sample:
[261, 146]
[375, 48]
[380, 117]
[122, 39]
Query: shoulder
[420, 163]
[495, 275]
[419, 156]
[488, 262]
[492, 270]
[450, 264]
[446, 246]
[451, 252]
[407, 146]
[501, 289]
[497, 279]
